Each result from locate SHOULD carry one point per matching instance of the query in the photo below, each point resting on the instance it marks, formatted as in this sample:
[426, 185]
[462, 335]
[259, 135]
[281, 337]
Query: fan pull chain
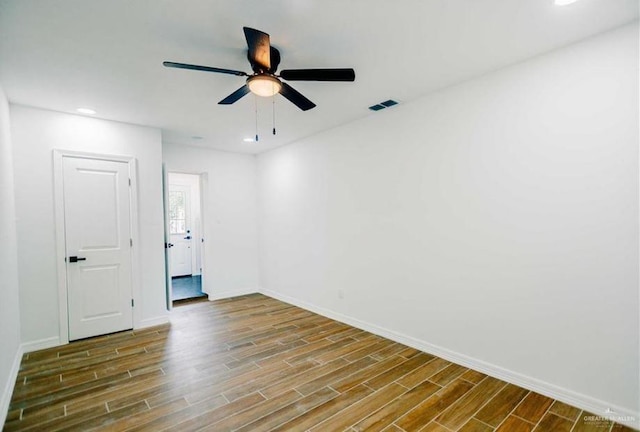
[255, 100]
[274, 112]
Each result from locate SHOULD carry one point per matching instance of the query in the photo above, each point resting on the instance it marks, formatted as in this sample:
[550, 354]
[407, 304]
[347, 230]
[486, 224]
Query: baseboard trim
[151, 322]
[5, 400]
[220, 295]
[598, 407]
[40, 344]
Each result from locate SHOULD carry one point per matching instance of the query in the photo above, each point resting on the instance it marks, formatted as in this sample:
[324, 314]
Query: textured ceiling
[108, 55]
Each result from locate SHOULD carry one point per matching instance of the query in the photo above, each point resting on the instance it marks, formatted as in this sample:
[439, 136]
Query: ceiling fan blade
[259, 49]
[296, 97]
[318, 74]
[203, 68]
[233, 97]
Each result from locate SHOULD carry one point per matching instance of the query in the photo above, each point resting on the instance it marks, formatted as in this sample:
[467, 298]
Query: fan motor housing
[274, 55]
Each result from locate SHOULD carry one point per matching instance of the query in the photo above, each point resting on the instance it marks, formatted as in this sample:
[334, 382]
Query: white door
[180, 229]
[98, 250]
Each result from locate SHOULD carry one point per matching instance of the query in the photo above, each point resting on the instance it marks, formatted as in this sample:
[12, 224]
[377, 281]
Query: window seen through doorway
[177, 212]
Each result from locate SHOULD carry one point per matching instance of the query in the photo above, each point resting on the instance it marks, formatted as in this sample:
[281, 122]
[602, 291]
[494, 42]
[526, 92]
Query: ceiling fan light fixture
[264, 85]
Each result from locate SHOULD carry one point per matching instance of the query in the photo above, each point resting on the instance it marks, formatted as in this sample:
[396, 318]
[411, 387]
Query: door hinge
[129, 182]
[131, 242]
[132, 303]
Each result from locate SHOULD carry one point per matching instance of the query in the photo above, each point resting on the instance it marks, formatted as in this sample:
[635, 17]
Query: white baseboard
[7, 392]
[41, 344]
[151, 322]
[598, 407]
[219, 295]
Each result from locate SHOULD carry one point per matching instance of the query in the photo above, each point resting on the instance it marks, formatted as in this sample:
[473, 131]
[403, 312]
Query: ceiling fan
[264, 60]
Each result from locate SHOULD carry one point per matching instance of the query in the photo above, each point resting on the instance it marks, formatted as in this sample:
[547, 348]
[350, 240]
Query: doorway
[96, 210]
[185, 237]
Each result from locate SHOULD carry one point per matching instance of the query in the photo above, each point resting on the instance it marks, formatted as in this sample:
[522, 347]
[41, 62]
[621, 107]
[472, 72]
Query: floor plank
[291, 411]
[498, 408]
[360, 409]
[552, 422]
[252, 364]
[434, 405]
[564, 410]
[515, 424]
[474, 425]
[464, 408]
[386, 415]
[533, 407]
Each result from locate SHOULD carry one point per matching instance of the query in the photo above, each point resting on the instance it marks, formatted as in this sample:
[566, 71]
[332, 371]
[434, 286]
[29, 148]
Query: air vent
[383, 105]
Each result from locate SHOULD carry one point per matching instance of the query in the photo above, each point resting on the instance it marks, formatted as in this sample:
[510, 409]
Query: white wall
[10, 352]
[495, 222]
[35, 134]
[230, 264]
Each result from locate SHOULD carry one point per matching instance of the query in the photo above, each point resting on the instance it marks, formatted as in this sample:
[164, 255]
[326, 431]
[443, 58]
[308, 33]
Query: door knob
[73, 259]
[188, 237]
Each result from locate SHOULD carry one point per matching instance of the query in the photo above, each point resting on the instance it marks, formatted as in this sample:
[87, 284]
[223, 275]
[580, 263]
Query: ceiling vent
[383, 105]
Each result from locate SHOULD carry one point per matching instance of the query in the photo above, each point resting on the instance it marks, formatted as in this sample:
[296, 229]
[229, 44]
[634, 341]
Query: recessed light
[86, 111]
[564, 2]
[249, 140]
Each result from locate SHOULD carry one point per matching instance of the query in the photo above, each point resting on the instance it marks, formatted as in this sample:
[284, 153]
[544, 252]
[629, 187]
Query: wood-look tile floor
[253, 363]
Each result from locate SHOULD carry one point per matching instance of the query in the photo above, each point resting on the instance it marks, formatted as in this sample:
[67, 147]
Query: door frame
[167, 238]
[203, 177]
[61, 267]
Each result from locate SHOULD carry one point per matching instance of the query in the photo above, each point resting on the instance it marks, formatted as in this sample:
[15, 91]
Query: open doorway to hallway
[185, 238]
